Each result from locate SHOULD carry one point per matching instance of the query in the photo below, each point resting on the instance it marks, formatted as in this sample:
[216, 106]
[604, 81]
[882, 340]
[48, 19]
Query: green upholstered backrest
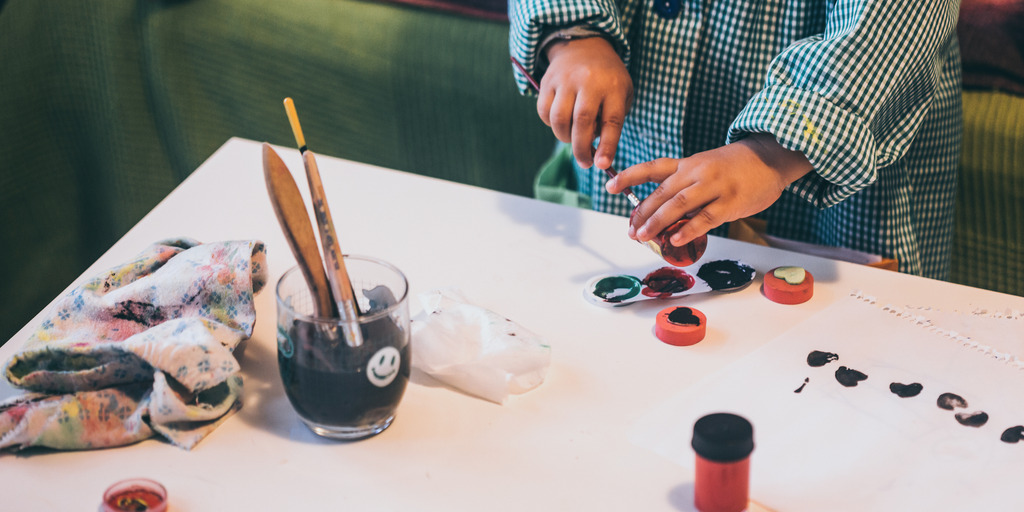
[105, 106]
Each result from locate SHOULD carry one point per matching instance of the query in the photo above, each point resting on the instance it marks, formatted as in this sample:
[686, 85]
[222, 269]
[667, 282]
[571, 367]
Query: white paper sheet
[835, 448]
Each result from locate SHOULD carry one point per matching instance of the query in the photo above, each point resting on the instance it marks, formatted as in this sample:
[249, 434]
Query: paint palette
[616, 290]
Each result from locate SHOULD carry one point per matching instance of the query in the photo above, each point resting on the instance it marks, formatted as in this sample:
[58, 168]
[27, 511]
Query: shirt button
[667, 9]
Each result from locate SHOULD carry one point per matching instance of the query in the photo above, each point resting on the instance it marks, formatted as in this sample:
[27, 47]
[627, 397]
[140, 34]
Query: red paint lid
[781, 290]
[680, 326]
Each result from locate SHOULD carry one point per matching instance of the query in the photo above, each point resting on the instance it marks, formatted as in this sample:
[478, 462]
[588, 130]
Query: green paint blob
[617, 288]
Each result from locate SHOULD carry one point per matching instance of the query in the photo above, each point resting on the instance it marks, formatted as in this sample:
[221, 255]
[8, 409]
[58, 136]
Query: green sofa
[106, 105]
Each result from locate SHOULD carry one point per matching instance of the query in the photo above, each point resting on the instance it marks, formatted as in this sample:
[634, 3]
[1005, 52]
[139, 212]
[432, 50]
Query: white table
[562, 446]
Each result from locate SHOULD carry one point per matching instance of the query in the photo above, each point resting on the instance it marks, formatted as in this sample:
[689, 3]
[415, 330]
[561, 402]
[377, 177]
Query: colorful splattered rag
[143, 349]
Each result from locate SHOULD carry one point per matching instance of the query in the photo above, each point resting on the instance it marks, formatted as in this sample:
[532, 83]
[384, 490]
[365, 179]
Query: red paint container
[135, 494]
[680, 326]
[680, 256]
[723, 443]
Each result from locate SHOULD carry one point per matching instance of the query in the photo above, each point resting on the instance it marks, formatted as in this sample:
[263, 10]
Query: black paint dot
[849, 377]
[905, 390]
[972, 419]
[950, 401]
[725, 274]
[818, 358]
[801, 388]
[683, 316]
[1012, 434]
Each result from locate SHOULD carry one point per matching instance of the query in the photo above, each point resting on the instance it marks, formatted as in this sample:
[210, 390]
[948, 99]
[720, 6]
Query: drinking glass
[342, 388]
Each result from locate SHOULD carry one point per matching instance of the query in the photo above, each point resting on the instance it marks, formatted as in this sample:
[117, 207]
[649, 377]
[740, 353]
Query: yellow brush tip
[293, 118]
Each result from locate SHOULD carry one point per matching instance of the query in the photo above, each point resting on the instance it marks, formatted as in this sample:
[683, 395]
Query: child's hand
[715, 187]
[585, 92]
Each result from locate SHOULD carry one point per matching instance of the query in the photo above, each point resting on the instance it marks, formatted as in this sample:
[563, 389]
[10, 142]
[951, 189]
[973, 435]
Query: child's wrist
[553, 43]
[788, 164]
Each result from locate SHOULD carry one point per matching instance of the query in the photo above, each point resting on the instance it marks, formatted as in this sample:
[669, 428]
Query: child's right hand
[586, 92]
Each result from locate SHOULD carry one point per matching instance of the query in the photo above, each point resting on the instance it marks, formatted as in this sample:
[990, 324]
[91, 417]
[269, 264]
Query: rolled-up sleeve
[852, 98]
[530, 20]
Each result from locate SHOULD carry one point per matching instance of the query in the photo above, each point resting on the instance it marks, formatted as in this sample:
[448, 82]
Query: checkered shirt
[868, 91]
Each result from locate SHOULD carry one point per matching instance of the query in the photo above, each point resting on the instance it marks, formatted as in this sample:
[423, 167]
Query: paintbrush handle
[337, 274]
[294, 219]
[628, 192]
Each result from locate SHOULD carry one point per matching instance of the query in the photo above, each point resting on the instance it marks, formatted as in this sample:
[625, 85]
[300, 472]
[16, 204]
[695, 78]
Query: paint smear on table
[818, 358]
[906, 390]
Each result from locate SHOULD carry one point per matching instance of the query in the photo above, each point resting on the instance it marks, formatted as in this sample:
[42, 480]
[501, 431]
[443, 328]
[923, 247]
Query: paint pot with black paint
[723, 443]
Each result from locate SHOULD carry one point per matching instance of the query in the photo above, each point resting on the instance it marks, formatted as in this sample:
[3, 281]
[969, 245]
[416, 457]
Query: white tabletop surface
[561, 446]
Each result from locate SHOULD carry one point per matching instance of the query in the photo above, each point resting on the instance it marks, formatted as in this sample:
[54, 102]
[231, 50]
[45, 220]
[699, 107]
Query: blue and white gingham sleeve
[852, 98]
[531, 20]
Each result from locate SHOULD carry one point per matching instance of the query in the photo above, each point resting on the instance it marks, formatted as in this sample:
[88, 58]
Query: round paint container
[680, 326]
[723, 443]
[135, 494]
[788, 285]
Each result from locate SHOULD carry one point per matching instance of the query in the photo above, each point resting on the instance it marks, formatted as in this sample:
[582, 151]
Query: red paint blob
[665, 282]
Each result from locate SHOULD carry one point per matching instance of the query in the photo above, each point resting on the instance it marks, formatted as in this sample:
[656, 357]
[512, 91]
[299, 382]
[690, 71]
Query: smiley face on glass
[383, 366]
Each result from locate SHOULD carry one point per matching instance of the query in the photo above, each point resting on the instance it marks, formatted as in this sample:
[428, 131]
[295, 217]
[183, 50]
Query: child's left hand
[713, 187]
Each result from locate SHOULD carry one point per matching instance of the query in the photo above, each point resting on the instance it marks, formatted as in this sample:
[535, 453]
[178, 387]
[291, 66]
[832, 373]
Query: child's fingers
[652, 171]
[667, 204]
[545, 97]
[612, 119]
[584, 126]
[561, 116]
[704, 220]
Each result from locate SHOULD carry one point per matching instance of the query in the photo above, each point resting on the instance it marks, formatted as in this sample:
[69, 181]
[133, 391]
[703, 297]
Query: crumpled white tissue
[475, 349]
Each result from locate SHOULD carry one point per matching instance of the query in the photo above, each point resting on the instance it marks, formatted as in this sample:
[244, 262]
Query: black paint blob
[849, 377]
[972, 419]
[1012, 434]
[802, 386]
[950, 401]
[725, 274]
[683, 316]
[905, 390]
[818, 358]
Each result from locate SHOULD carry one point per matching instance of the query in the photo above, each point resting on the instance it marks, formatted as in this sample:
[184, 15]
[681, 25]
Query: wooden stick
[294, 219]
[337, 275]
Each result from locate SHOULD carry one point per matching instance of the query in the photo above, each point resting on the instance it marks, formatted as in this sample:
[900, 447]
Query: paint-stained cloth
[868, 91]
[143, 349]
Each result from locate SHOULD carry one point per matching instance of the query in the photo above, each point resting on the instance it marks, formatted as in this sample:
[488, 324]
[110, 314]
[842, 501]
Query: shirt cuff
[568, 34]
[838, 143]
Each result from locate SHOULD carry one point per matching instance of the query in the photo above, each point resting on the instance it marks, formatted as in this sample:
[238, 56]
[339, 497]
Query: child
[840, 119]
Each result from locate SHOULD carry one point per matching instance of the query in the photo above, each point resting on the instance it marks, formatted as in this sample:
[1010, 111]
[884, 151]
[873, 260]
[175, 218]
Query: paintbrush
[294, 219]
[337, 275]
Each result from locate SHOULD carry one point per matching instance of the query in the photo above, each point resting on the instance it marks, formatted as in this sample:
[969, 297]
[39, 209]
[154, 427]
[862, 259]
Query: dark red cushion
[991, 36]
